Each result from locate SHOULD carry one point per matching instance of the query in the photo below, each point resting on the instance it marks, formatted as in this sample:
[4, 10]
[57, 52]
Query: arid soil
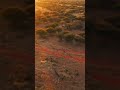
[59, 66]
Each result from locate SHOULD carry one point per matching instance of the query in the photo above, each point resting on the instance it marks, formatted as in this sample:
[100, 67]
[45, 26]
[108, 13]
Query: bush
[42, 33]
[54, 25]
[73, 26]
[51, 30]
[82, 35]
[79, 39]
[58, 30]
[65, 32]
[61, 36]
[69, 37]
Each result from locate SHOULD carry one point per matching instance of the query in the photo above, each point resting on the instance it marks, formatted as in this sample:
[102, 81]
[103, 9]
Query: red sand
[67, 54]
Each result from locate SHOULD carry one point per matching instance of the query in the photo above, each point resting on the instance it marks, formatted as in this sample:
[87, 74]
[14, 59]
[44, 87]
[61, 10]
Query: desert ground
[59, 59]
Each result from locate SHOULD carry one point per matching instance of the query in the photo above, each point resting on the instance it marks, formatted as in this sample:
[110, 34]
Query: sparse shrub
[51, 30]
[43, 19]
[59, 30]
[54, 25]
[42, 33]
[79, 39]
[61, 36]
[73, 26]
[66, 19]
[65, 32]
[69, 37]
[82, 35]
[76, 74]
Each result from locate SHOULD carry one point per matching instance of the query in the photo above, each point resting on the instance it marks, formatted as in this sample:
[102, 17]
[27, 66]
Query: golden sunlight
[59, 44]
